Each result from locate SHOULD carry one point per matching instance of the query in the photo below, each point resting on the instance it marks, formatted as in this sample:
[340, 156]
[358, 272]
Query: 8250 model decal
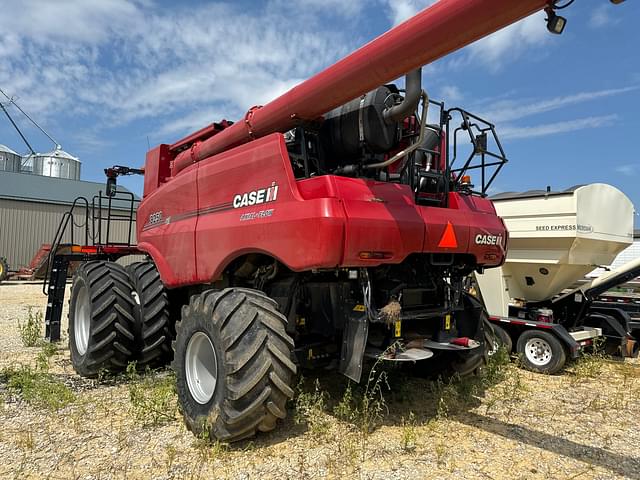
[256, 197]
[247, 199]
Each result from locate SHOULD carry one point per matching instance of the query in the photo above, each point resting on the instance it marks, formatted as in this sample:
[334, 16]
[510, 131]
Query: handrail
[96, 215]
[62, 228]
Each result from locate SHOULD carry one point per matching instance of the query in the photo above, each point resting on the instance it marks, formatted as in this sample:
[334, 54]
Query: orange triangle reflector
[448, 239]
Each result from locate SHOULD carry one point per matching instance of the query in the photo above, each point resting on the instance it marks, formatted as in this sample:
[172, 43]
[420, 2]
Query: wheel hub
[538, 351]
[201, 368]
[82, 321]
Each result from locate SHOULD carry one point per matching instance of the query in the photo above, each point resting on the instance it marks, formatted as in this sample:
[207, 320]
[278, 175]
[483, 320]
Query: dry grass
[509, 423]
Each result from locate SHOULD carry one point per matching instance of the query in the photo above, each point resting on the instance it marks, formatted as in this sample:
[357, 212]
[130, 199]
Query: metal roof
[58, 153]
[38, 188]
[4, 148]
[533, 193]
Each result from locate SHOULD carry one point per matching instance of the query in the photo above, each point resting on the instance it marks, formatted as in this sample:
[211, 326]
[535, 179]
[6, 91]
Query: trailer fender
[516, 326]
[567, 340]
[615, 330]
[618, 321]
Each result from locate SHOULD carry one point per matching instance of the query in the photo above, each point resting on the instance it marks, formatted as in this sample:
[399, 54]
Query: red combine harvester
[327, 226]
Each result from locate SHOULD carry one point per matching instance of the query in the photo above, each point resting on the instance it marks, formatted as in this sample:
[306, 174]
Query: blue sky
[107, 77]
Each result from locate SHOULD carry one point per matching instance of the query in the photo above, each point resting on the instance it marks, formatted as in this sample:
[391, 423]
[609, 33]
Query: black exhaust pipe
[413, 89]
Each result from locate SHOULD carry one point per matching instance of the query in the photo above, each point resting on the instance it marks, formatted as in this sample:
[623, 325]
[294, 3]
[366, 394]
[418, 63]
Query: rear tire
[153, 333]
[472, 362]
[233, 364]
[504, 339]
[541, 351]
[101, 319]
[4, 269]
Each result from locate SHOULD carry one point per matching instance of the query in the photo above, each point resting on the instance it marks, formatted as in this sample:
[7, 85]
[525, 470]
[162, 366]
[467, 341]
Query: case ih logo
[256, 197]
[488, 239]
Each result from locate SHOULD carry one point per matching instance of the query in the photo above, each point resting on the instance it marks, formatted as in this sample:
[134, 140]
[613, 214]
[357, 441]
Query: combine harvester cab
[555, 239]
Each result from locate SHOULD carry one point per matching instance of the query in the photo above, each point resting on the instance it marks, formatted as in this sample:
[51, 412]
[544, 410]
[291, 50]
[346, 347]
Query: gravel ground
[581, 424]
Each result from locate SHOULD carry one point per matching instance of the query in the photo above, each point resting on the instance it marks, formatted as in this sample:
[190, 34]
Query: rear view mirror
[481, 143]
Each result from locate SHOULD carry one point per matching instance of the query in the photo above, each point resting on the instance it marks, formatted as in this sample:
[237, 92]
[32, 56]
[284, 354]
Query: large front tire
[233, 364]
[101, 319]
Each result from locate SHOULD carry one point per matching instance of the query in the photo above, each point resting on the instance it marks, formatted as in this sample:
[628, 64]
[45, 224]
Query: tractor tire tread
[111, 334]
[153, 325]
[256, 352]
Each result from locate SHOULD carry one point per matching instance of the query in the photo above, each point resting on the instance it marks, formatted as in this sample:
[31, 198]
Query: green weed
[38, 387]
[589, 364]
[409, 433]
[31, 330]
[26, 440]
[153, 397]
[44, 356]
[372, 404]
[207, 448]
[310, 409]
[345, 409]
[494, 370]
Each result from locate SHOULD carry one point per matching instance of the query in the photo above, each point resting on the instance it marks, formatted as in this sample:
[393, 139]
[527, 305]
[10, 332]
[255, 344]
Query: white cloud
[189, 123]
[451, 93]
[129, 59]
[345, 8]
[627, 170]
[508, 44]
[117, 61]
[493, 51]
[71, 20]
[401, 10]
[507, 110]
[600, 17]
[514, 132]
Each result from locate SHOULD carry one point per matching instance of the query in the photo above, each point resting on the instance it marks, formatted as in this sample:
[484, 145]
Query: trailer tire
[153, 331]
[232, 359]
[4, 269]
[541, 351]
[101, 319]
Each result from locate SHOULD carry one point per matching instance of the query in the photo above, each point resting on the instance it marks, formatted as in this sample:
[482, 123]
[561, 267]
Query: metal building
[630, 253]
[31, 207]
[56, 163]
[10, 161]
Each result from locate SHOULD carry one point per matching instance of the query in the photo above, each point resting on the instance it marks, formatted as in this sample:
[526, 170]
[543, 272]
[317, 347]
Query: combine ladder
[94, 246]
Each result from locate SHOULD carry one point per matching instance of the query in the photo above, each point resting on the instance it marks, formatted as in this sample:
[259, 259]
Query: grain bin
[56, 163]
[10, 161]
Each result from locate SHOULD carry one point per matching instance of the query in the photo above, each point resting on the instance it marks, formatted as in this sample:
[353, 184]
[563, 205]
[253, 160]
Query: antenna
[12, 101]
[17, 129]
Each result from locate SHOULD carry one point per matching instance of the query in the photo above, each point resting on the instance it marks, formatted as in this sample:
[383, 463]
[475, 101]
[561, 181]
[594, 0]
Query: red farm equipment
[330, 225]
